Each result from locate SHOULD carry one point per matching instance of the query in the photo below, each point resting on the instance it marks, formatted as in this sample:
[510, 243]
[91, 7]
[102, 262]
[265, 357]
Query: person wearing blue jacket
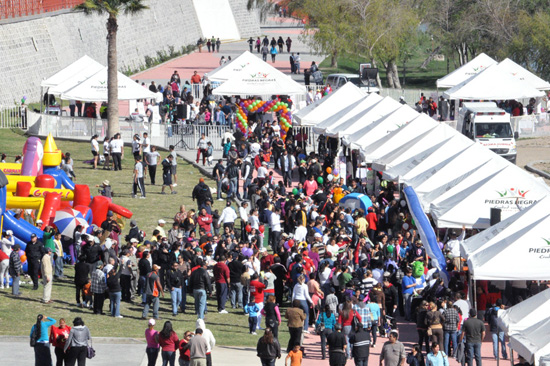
[40, 332]
[253, 311]
[328, 319]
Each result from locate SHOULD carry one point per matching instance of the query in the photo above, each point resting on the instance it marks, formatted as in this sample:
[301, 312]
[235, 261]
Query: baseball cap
[152, 322]
[134, 240]
[9, 232]
[39, 221]
[109, 213]
[33, 235]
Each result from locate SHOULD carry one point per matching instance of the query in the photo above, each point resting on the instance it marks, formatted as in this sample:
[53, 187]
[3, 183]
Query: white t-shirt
[147, 145]
[116, 146]
[135, 146]
[153, 158]
[262, 172]
[95, 145]
[106, 147]
[275, 222]
[276, 129]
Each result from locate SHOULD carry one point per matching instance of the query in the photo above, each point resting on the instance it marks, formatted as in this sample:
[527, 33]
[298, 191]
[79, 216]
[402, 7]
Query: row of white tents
[457, 183]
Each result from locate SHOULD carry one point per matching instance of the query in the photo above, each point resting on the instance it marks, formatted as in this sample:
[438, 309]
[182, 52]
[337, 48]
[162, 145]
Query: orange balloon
[23, 258]
[329, 170]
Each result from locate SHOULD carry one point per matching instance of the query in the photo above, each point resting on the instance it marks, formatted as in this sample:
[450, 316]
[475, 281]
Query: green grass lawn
[416, 78]
[18, 314]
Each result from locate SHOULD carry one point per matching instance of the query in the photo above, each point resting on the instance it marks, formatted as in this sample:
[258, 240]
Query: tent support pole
[474, 294]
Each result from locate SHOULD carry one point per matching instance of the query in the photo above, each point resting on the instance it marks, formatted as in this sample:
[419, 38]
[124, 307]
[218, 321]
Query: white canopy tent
[469, 202]
[492, 83]
[511, 225]
[94, 89]
[476, 65]
[257, 78]
[362, 119]
[380, 128]
[328, 106]
[417, 148]
[245, 62]
[430, 185]
[523, 74]
[83, 66]
[352, 110]
[525, 314]
[395, 139]
[533, 343]
[454, 146]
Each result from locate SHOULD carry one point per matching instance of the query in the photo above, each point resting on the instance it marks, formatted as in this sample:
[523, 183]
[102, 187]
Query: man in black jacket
[360, 340]
[34, 252]
[200, 283]
[81, 274]
[201, 193]
[236, 269]
[144, 267]
[174, 282]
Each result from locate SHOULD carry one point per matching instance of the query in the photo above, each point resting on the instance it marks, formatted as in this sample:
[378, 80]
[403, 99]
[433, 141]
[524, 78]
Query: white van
[338, 80]
[489, 126]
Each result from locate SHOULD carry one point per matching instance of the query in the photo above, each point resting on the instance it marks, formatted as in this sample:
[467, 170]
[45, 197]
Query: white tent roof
[505, 228]
[469, 202]
[533, 343]
[479, 63]
[456, 144]
[242, 63]
[328, 106]
[415, 149]
[362, 119]
[395, 139]
[523, 74]
[492, 83]
[94, 89]
[525, 314]
[257, 78]
[381, 127]
[430, 185]
[85, 65]
[352, 110]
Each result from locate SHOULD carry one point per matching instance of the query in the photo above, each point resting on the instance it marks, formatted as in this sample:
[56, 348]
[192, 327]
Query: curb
[529, 167]
[100, 340]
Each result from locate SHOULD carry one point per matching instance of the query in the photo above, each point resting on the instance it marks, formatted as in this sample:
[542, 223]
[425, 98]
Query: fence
[532, 125]
[185, 137]
[13, 117]
[21, 8]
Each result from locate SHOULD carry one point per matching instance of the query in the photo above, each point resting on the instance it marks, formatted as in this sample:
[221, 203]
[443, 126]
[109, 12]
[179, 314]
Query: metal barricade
[13, 117]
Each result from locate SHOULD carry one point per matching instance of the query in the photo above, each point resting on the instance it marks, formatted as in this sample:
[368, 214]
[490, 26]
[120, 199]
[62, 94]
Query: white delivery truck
[489, 126]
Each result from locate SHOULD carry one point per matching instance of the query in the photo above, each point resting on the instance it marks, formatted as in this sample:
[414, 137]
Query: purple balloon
[247, 252]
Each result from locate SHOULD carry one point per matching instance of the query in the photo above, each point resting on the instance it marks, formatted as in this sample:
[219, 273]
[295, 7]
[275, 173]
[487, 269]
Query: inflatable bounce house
[39, 184]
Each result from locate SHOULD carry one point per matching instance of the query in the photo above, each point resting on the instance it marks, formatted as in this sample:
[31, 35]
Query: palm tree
[112, 8]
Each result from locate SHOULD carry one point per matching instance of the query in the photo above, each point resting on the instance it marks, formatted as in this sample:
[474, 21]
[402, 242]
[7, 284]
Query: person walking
[47, 276]
[337, 345]
[268, 348]
[210, 340]
[167, 174]
[58, 338]
[360, 342]
[474, 331]
[174, 283]
[151, 161]
[265, 51]
[153, 289]
[222, 279]
[99, 286]
[251, 43]
[168, 341]
[450, 327]
[153, 347]
[496, 333]
[202, 146]
[34, 251]
[296, 317]
[435, 320]
[393, 351]
[288, 44]
[200, 284]
[273, 53]
[326, 322]
[272, 315]
[115, 291]
[15, 269]
[437, 357]
[117, 151]
[301, 293]
[76, 347]
[138, 178]
[39, 336]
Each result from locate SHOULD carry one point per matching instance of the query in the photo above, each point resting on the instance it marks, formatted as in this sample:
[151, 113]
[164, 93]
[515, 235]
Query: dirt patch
[533, 149]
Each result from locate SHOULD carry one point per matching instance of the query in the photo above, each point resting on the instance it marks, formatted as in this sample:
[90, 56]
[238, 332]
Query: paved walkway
[207, 61]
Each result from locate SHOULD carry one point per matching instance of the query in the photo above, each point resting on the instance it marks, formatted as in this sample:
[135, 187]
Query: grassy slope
[18, 315]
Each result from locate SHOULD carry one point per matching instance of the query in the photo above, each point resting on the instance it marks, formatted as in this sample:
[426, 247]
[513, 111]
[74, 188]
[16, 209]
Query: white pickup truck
[489, 126]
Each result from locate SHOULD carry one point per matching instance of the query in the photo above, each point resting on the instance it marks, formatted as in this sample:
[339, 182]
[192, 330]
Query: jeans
[168, 356]
[363, 361]
[324, 336]
[115, 302]
[219, 193]
[245, 187]
[200, 302]
[305, 308]
[176, 299]
[452, 337]
[473, 350]
[152, 355]
[346, 329]
[252, 323]
[59, 267]
[268, 361]
[155, 302]
[15, 286]
[260, 306]
[408, 304]
[496, 338]
[141, 289]
[221, 294]
[236, 294]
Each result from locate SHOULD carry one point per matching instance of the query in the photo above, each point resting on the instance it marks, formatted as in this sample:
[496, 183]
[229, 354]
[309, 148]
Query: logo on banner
[259, 77]
[542, 252]
[510, 199]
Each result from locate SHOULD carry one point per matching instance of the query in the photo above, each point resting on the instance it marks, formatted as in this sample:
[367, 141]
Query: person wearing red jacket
[372, 220]
[205, 220]
[58, 337]
[257, 293]
[221, 277]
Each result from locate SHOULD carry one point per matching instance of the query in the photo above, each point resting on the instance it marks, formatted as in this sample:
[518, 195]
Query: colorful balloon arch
[255, 106]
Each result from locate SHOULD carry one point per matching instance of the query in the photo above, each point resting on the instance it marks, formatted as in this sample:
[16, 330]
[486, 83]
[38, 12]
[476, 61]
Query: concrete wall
[32, 50]
[247, 22]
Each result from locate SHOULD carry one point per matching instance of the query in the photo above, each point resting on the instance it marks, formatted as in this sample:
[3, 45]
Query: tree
[112, 8]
